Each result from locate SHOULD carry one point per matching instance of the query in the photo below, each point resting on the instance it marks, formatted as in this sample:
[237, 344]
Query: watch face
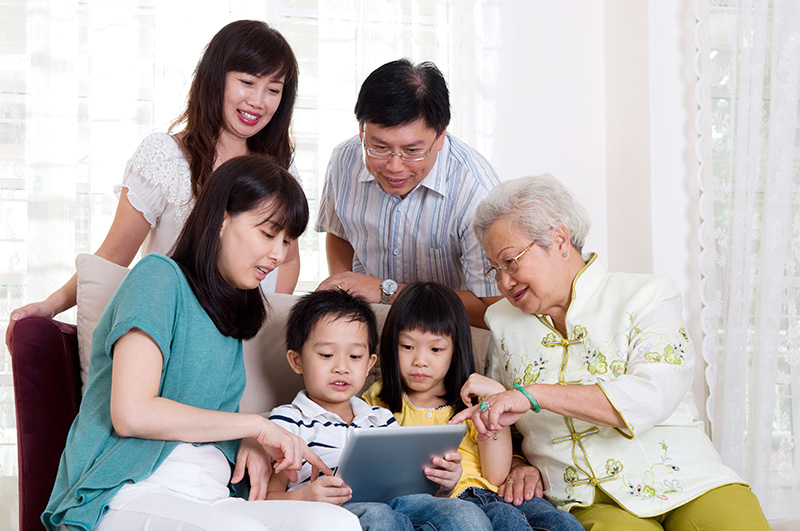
[389, 286]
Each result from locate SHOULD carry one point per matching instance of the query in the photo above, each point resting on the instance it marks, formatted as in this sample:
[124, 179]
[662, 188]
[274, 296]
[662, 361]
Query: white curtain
[749, 147]
[83, 81]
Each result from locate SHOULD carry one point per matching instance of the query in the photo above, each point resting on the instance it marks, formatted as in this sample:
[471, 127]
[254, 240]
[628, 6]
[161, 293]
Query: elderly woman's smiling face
[542, 282]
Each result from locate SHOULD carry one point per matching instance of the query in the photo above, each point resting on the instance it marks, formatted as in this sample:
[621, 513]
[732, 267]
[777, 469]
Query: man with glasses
[399, 198]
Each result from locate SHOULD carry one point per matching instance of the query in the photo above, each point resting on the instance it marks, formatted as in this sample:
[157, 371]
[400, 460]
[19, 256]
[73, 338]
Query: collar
[310, 409]
[589, 278]
[434, 181]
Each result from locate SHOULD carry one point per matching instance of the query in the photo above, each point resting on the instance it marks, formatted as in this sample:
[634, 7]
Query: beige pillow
[97, 280]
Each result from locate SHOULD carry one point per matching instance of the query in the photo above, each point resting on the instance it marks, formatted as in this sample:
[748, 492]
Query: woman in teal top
[158, 430]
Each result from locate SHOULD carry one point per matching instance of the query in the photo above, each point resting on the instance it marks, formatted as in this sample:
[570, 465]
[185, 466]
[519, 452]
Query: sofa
[49, 358]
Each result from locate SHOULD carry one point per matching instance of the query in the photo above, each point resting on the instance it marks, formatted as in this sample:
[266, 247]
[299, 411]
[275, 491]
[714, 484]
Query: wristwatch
[388, 288]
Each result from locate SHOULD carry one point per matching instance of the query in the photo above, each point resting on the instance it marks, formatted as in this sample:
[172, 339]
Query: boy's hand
[446, 472]
[253, 459]
[329, 489]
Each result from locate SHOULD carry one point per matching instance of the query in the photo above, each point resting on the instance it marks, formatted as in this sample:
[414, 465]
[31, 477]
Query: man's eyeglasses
[510, 265]
[409, 155]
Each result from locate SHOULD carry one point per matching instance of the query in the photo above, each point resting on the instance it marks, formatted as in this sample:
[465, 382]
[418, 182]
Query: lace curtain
[82, 82]
[749, 147]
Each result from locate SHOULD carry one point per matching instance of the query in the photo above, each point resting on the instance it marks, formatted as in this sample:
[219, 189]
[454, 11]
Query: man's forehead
[416, 131]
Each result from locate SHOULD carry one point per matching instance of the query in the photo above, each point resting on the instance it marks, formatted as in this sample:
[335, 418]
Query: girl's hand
[479, 386]
[253, 459]
[446, 472]
[329, 489]
[289, 451]
[501, 410]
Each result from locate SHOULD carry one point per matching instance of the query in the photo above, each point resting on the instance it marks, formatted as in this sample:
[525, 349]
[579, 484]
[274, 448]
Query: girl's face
[249, 103]
[249, 248]
[424, 361]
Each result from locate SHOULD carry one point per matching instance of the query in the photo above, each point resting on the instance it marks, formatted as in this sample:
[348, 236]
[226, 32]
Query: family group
[590, 370]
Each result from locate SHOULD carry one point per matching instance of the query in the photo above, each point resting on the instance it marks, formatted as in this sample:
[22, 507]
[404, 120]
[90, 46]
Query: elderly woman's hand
[523, 483]
[494, 413]
[479, 386]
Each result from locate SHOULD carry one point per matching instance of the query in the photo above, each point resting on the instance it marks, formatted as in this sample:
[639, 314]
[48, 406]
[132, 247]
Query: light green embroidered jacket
[626, 335]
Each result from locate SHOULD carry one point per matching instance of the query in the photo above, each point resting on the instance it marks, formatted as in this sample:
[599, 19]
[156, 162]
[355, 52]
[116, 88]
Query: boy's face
[334, 363]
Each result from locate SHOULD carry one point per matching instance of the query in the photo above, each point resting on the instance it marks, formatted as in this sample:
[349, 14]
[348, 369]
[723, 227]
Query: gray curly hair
[537, 204]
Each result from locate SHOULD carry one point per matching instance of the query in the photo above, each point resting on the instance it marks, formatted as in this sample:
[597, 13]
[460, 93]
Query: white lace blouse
[158, 180]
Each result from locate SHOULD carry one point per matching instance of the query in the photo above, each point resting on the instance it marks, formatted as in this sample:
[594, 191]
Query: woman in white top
[597, 368]
[240, 102]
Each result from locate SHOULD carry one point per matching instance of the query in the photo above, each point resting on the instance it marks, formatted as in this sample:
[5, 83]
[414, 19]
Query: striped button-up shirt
[426, 236]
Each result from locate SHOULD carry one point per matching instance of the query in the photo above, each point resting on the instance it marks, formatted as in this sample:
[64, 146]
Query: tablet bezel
[379, 464]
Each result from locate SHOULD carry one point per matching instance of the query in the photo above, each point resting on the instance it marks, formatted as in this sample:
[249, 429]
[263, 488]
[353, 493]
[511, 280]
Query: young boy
[331, 339]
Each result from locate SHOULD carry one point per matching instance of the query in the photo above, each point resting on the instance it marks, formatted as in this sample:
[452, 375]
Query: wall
[605, 103]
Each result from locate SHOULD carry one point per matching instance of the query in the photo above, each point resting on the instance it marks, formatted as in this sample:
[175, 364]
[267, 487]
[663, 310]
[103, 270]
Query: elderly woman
[596, 370]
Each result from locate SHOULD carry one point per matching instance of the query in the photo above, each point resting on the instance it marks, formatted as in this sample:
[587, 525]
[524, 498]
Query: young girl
[426, 356]
[158, 427]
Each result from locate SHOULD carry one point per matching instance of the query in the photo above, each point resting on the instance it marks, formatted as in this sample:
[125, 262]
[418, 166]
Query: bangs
[286, 214]
[268, 56]
[430, 314]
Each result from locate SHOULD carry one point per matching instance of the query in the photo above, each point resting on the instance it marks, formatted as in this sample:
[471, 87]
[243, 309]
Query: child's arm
[496, 454]
[446, 472]
[328, 489]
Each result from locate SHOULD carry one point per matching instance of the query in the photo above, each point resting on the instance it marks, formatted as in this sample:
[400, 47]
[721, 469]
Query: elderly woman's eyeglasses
[510, 265]
[407, 155]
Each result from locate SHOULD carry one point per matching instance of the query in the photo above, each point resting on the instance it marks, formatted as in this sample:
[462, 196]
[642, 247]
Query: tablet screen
[379, 464]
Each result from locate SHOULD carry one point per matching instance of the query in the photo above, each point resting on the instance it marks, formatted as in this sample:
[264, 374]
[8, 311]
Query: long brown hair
[242, 184]
[249, 46]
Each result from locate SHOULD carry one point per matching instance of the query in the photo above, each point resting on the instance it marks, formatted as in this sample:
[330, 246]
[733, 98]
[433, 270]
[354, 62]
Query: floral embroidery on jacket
[648, 487]
[534, 365]
[595, 362]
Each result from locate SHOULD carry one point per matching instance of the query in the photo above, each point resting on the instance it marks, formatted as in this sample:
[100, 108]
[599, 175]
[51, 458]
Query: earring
[564, 255]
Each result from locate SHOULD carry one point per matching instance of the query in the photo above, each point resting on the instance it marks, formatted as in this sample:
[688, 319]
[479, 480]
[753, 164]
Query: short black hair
[400, 92]
[311, 309]
[427, 307]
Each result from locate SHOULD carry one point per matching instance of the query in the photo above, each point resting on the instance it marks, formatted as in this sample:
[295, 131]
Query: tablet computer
[379, 464]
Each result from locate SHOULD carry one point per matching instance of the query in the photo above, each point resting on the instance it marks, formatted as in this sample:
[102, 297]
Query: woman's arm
[584, 402]
[289, 271]
[127, 232]
[138, 411]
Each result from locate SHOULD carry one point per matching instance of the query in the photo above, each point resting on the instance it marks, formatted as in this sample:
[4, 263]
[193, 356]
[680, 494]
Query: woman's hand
[499, 410]
[446, 472]
[34, 309]
[524, 482]
[479, 386]
[253, 459]
[289, 451]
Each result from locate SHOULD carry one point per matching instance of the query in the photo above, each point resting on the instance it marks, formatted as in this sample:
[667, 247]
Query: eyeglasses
[510, 266]
[409, 155]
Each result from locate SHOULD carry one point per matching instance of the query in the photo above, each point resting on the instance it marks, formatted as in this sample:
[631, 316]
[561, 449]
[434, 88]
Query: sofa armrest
[47, 394]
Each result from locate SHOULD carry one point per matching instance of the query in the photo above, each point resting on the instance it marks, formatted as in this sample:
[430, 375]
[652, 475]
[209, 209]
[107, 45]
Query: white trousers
[188, 492]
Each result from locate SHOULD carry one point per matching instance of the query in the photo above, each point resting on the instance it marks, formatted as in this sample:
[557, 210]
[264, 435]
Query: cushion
[97, 280]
